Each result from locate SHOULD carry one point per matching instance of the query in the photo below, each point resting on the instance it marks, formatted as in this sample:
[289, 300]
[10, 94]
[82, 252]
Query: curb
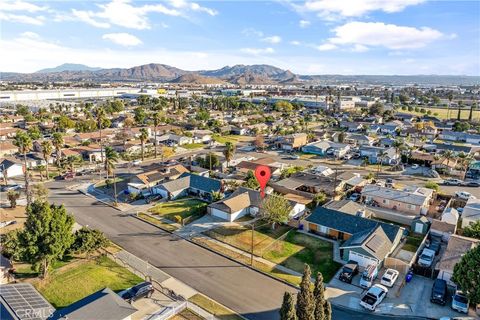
[221, 254]
[386, 315]
[99, 200]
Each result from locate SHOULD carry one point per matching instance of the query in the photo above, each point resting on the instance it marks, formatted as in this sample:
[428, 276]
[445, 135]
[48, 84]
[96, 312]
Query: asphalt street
[245, 291]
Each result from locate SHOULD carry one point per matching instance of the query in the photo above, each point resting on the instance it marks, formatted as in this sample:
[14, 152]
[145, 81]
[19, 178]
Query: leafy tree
[47, 149]
[117, 105]
[287, 311]
[473, 230]
[34, 132]
[276, 209]
[140, 115]
[11, 248]
[466, 275]
[305, 299]
[22, 110]
[283, 106]
[202, 115]
[64, 123]
[88, 241]
[46, 236]
[229, 152]
[251, 181]
[157, 118]
[40, 192]
[432, 185]
[285, 173]
[260, 142]
[143, 138]
[319, 199]
[376, 109]
[217, 196]
[24, 144]
[461, 126]
[322, 311]
[12, 197]
[70, 162]
[210, 161]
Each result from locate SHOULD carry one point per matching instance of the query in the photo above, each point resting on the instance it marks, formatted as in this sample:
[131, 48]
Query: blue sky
[307, 37]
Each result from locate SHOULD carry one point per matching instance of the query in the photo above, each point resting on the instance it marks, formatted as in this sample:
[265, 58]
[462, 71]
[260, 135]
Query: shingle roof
[188, 180]
[393, 194]
[103, 304]
[374, 241]
[457, 247]
[348, 223]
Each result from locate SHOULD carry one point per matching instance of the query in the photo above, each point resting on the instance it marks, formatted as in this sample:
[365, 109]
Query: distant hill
[68, 67]
[238, 74]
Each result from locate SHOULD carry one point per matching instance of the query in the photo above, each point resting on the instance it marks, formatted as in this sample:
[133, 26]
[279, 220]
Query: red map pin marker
[263, 174]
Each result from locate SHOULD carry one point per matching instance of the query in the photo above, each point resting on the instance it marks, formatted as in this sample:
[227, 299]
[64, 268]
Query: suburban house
[103, 304]
[16, 299]
[245, 166]
[352, 180]
[411, 202]
[309, 183]
[201, 136]
[351, 126]
[450, 215]
[174, 140]
[11, 168]
[293, 141]
[364, 240]
[442, 229]
[239, 131]
[377, 154]
[471, 212]
[456, 248]
[246, 201]
[350, 207]
[189, 185]
[323, 146]
[145, 183]
[359, 139]
[5, 268]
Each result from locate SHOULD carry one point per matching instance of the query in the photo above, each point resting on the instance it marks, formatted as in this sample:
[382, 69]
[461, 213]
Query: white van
[368, 276]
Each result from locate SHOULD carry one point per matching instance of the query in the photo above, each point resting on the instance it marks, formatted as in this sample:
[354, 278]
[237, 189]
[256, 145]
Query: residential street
[252, 294]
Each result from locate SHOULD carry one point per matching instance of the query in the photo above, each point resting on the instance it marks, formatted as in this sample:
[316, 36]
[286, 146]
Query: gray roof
[23, 301]
[374, 241]
[347, 206]
[103, 304]
[188, 180]
[393, 194]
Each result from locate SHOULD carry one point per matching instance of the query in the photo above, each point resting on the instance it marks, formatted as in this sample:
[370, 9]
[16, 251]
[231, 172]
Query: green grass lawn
[82, 278]
[161, 224]
[442, 113]
[412, 243]
[193, 146]
[298, 249]
[189, 209]
[231, 138]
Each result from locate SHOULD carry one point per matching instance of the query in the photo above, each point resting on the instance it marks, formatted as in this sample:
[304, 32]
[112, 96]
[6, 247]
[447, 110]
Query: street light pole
[251, 250]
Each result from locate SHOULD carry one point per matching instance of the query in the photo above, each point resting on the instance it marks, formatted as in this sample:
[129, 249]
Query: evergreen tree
[46, 236]
[287, 311]
[466, 275]
[327, 314]
[305, 303]
[318, 292]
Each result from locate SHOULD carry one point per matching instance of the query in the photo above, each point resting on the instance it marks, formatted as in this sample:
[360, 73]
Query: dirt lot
[7, 214]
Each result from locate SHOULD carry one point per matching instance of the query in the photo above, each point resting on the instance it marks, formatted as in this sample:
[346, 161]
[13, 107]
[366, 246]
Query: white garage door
[363, 261]
[220, 214]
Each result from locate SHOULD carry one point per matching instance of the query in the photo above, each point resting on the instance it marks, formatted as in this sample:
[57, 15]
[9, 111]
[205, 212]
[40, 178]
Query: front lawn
[187, 209]
[81, 278]
[192, 146]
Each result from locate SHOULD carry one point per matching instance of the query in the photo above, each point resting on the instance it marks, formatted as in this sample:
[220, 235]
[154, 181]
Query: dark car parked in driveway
[349, 271]
[439, 292]
[144, 289]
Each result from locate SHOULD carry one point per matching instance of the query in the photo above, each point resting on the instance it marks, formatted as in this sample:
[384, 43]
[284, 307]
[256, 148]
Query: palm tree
[450, 98]
[47, 149]
[380, 158]
[448, 155]
[465, 160]
[143, 138]
[399, 145]
[101, 115]
[24, 144]
[157, 118]
[70, 162]
[111, 157]
[57, 140]
[228, 152]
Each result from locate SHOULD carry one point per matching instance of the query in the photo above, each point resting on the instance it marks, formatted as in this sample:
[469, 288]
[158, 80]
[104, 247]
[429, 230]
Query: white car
[389, 277]
[463, 195]
[136, 162]
[415, 166]
[460, 302]
[426, 258]
[374, 297]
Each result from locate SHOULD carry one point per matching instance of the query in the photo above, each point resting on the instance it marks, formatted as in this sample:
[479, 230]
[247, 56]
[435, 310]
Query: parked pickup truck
[349, 271]
[374, 297]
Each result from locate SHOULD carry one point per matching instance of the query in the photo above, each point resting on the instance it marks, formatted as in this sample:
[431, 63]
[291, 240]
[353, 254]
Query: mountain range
[237, 74]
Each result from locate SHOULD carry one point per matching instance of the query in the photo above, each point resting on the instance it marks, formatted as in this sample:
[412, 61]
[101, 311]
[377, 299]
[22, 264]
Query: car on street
[11, 187]
[294, 157]
[426, 258]
[463, 195]
[142, 290]
[472, 184]
[439, 292]
[415, 166]
[374, 297]
[68, 176]
[349, 270]
[354, 197]
[389, 277]
[452, 182]
[460, 302]
[136, 162]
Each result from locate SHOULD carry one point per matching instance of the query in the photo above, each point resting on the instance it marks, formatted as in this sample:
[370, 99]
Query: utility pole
[251, 250]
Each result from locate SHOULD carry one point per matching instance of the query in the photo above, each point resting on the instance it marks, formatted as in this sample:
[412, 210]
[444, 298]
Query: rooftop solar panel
[25, 302]
[375, 243]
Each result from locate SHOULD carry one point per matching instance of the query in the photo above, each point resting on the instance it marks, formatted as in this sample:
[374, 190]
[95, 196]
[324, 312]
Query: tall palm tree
[47, 149]
[380, 158]
[448, 155]
[57, 140]
[229, 152]
[465, 160]
[101, 115]
[450, 98]
[143, 138]
[157, 118]
[111, 158]
[70, 162]
[399, 145]
[24, 144]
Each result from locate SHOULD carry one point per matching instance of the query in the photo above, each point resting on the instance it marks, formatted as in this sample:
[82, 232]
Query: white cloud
[272, 39]
[257, 51]
[123, 13]
[334, 9]
[362, 35]
[326, 47]
[295, 43]
[30, 35]
[20, 18]
[123, 39]
[304, 23]
[21, 6]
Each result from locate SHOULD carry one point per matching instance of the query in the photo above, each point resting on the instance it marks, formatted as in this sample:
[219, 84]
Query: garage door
[363, 261]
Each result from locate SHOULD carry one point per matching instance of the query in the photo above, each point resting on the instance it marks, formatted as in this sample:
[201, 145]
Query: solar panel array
[375, 243]
[25, 301]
